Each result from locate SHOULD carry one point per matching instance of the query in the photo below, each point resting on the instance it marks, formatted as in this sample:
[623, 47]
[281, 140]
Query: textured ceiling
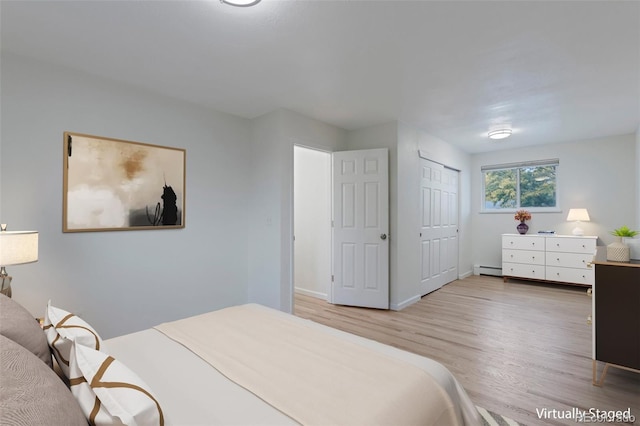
[554, 71]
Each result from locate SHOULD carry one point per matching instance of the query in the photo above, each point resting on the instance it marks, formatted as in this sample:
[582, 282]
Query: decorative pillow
[19, 325]
[31, 393]
[108, 392]
[62, 329]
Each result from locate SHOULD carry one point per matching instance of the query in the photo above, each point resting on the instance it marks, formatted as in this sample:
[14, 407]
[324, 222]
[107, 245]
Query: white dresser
[560, 258]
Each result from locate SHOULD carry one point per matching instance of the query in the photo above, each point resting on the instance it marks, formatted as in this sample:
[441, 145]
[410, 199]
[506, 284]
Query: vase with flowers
[522, 216]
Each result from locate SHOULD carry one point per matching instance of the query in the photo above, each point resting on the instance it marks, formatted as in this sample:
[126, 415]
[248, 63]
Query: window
[531, 185]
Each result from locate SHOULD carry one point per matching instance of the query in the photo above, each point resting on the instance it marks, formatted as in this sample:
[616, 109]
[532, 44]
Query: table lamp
[577, 216]
[16, 248]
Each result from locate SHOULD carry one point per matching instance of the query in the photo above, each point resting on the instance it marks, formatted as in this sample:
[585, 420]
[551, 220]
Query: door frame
[291, 228]
[293, 220]
[291, 236]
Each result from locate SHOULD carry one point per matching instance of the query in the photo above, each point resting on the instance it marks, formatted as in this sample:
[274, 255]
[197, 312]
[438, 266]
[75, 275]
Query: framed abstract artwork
[116, 185]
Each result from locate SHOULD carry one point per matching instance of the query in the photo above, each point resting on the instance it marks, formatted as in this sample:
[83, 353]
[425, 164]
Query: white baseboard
[400, 306]
[465, 275]
[311, 293]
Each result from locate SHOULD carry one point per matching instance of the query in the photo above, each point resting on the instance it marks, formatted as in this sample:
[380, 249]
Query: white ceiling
[555, 71]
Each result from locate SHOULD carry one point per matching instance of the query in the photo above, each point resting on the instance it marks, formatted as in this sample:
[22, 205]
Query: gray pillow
[32, 393]
[19, 325]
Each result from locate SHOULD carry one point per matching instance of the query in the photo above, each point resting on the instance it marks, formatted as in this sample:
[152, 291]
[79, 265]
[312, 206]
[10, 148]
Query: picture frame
[118, 185]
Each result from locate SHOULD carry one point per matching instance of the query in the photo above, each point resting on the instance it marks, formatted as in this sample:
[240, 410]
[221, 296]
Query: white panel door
[439, 225]
[450, 228]
[361, 228]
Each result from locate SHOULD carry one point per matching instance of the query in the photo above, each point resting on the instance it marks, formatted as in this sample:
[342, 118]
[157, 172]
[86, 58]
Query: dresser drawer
[570, 275]
[531, 257]
[524, 242]
[522, 270]
[572, 245]
[568, 260]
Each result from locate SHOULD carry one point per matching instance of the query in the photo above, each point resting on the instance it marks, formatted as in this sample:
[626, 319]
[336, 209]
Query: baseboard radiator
[495, 271]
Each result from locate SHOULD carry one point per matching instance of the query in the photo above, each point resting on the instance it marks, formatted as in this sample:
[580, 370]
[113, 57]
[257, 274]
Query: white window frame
[509, 166]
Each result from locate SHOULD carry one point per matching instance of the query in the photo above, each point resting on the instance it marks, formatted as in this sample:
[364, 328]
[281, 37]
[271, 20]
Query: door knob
[383, 236]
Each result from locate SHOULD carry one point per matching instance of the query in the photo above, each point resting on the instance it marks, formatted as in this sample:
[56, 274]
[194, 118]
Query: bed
[252, 365]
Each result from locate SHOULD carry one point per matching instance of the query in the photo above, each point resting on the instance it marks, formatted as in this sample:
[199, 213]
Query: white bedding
[192, 393]
[189, 391]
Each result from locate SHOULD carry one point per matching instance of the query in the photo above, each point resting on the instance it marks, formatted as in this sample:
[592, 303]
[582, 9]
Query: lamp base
[5, 285]
[578, 231]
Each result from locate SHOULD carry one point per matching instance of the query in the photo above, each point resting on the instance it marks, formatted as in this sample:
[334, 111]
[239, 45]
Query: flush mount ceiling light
[240, 3]
[500, 133]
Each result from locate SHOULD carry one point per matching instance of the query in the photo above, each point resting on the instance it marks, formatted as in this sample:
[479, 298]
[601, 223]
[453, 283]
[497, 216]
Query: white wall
[312, 221]
[122, 281]
[271, 204]
[594, 174]
[236, 246]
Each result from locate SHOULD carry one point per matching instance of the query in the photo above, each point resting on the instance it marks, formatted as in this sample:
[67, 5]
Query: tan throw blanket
[312, 376]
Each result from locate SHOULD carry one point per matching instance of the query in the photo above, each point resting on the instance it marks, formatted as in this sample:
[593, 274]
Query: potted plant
[522, 216]
[624, 231]
[618, 251]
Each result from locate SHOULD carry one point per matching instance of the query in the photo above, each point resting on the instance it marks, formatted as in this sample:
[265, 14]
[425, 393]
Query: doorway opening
[311, 222]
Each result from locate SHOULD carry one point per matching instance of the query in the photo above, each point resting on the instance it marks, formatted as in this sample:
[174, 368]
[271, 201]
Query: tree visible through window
[530, 185]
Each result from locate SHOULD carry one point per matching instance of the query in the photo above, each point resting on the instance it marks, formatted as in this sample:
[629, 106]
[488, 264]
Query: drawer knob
[589, 320]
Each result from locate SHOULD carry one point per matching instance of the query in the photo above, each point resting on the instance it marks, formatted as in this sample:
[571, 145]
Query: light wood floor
[514, 346]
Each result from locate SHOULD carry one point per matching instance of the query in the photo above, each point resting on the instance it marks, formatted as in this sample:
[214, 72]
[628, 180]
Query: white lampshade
[18, 247]
[578, 214]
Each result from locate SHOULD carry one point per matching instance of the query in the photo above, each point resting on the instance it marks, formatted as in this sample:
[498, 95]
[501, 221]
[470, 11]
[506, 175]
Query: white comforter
[191, 392]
